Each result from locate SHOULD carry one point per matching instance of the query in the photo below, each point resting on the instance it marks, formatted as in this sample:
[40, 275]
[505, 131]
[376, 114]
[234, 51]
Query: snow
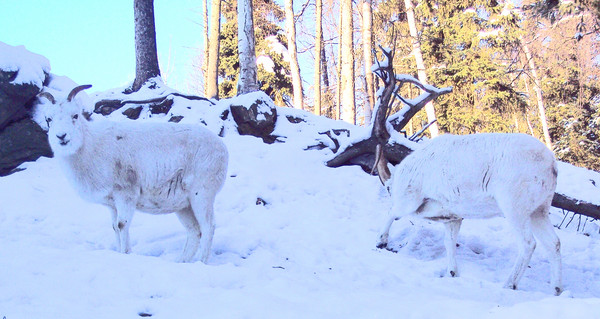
[293, 239]
[30, 67]
[577, 182]
[309, 252]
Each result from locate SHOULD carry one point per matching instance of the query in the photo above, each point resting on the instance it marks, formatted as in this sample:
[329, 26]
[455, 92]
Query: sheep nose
[61, 137]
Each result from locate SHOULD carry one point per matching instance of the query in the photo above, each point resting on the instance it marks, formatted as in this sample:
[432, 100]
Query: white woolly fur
[480, 176]
[155, 168]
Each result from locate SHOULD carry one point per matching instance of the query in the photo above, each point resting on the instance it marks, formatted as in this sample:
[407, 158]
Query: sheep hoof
[557, 291]
[382, 245]
[453, 273]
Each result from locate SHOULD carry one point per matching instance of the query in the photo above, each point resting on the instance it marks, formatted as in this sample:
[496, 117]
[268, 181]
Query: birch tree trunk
[347, 100]
[290, 25]
[538, 92]
[146, 59]
[429, 109]
[318, 55]
[247, 81]
[212, 76]
[367, 39]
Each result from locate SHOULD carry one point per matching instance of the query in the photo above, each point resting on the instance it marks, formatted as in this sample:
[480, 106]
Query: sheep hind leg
[521, 226]
[203, 207]
[544, 233]
[450, 238]
[189, 221]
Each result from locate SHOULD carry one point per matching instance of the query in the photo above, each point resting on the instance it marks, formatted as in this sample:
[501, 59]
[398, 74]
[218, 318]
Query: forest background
[529, 67]
[515, 66]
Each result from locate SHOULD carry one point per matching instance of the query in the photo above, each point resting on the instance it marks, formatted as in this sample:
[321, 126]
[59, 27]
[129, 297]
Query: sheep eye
[76, 116]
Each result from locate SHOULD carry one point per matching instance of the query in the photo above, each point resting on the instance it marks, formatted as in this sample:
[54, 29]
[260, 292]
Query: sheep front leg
[115, 226]
[451, 235]
[124, 215]
[385, 233]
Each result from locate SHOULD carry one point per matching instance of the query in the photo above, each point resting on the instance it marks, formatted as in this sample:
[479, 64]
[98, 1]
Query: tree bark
[204, 13]
[247, 81]
[576, 206]
[290, 25]
[212, 76]
[347, 68]
[429, 109]
[338, 97]
[318, 54]
[367, 37]
[538, 92]
[146, 59]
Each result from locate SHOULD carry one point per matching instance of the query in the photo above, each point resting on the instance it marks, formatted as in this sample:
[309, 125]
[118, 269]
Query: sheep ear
[87, 115]
[77, 90]
[48, 96]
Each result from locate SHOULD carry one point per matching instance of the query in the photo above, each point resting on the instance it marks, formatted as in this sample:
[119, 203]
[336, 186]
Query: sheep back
[157, 164]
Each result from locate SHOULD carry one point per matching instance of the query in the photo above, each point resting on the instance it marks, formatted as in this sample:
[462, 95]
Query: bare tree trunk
[290, 25]
[529, 126]
[347, 67]
[247, 81]
[146, 59]
[212, 75]
[338, 98]
[538, 92]
[367, 37]
[204, 13]
[318, 54]
[410, 16]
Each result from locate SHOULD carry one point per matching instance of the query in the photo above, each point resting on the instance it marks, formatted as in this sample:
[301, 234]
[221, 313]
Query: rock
[22, 141]
[106, 107]
[176, 118]
[133, 113]
[14, 98]
[257, 119]
[161, 107]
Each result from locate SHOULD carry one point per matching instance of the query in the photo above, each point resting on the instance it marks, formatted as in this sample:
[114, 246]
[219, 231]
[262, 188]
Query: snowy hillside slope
[293, 239]
[309, 252]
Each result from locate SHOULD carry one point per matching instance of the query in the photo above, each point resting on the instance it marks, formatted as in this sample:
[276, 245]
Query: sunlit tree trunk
[367, 39]
[347, 100]
[146, 59]
[538, 92]
[338, 97]
[290, 25]
[410, 16]
[212, 76]
[204, 14]
[247, 81]
[318, 50]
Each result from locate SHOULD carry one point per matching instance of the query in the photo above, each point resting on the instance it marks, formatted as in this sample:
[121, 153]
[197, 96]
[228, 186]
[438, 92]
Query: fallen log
[576, 206]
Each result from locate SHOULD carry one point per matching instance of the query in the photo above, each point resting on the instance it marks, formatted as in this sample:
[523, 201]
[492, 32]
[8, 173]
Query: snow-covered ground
[294, 239]
[308, 253]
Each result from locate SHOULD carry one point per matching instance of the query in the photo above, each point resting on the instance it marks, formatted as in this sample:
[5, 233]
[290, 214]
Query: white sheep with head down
[155, 168]
[481, 176]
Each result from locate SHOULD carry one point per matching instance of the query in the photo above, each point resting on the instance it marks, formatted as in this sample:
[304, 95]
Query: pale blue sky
[92, 41]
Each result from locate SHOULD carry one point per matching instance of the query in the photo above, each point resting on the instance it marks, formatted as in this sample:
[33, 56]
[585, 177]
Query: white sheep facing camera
[155, 168]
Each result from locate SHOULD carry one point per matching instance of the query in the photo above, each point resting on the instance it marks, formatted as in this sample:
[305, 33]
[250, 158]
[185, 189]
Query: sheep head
[66, 122]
